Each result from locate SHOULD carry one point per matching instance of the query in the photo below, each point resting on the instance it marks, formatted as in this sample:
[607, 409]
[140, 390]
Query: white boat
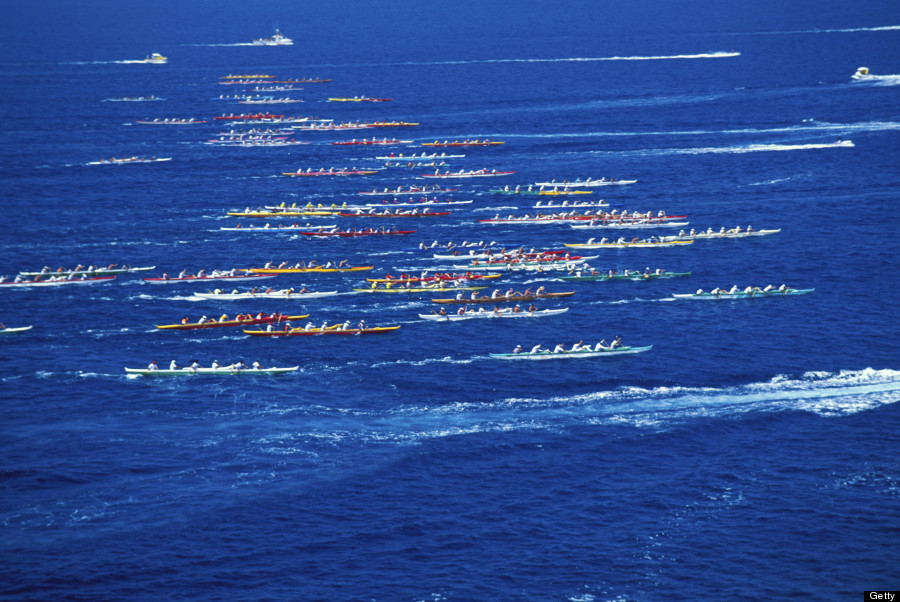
[862, 73]
[570, 205]
[472, 254]
[155, 59]
[128, 160]
[224, 371]
[5, 330]
[506, 313]
[638, 244]
[419, 157]
[588, 183]
[527, 266]
[282, 294]
[276, 40]
[84, 279]
[755, 294]
[417, 203]
[640, 224]
[278, 228]
[90, 271]
[207, 278]
[476, 173]
[548, 355]
[733, 233]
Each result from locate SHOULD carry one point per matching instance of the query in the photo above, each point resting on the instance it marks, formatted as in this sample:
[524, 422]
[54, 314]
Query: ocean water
[752, 453]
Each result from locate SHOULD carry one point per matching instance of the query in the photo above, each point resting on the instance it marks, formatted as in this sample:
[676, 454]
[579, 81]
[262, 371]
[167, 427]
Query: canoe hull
[570, 354]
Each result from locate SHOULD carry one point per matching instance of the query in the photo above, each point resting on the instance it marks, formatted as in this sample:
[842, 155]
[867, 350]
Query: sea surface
[752, 453]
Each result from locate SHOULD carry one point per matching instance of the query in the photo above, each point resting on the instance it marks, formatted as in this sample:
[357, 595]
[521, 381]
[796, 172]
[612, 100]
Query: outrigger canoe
[464, 143]
[356, 268]
[577, 183]
[548, 355]
[282, 294]
[226, 371]
[478, 173]
[89, 272]
[541, 192]
[299, 332]
[640, 224]
[441, 278]
[430, 289]
[398, 214]
[280, 213]
[38, 283]
[505, 299]
[634, 276]
[641, 244]
[226, 323]
[743, 295]
[727, 234]
[352, 234]
[342, 172]
[506, 313]
[14, 330]
[209, 278]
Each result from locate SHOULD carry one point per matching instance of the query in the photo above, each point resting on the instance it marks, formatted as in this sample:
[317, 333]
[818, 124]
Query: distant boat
[861, 73]
[276, 40]
[156, 59]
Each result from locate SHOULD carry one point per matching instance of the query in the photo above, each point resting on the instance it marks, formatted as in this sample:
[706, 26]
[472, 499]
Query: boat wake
[662, 408]
[880, 80]
[741, 149]
[848, 30]
[808, 126]
[662, 57]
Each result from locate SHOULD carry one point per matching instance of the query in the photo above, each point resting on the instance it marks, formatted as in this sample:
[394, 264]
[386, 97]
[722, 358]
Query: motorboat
[276, 40]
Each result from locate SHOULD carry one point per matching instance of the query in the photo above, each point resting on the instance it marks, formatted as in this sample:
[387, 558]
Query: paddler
[173, 365]
[153, 367]
[616, 343]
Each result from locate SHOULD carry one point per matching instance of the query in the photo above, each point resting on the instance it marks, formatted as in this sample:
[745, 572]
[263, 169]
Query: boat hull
[299, 332]
[504, 299]
[755, 295]
[210, 371]
[570, 354]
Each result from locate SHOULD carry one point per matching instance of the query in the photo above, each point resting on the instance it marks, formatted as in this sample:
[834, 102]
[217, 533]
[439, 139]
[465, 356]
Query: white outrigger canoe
[224, 371]
[277, 228]
[627, 245]
[506, 313]
[548, 355]
[727, 234]
[589, 183]
[61, 282]
[12, 330]
[283, 294]
[525, 265]
[631, 225]
[743, 295]
[90, 272]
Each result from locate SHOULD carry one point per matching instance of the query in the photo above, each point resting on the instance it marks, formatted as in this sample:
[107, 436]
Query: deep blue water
[753, 452]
